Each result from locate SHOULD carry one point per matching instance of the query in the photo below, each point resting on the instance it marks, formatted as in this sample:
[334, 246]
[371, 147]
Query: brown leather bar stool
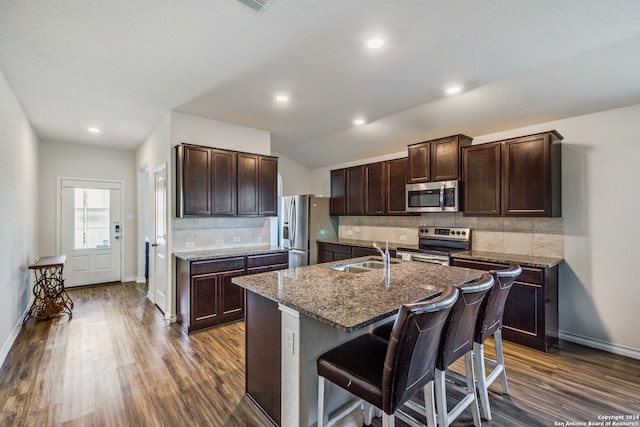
[386, 373]
[490, 323]
[457, 341]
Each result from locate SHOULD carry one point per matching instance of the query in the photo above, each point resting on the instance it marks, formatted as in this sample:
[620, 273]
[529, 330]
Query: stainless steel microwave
[440, 196]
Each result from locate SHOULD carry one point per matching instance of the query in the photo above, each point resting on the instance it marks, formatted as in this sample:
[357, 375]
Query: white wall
[70, 160]
[159, 148]
[18, 207]
[296, 178]
[598, 287]
[154, 152]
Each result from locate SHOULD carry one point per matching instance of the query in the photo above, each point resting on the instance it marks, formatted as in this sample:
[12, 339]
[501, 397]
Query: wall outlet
[219, 241]
[349, 232]
[236, 239]
[403, 238]
[357, 230]
[190, 244]
[258, 239]
[288, 340]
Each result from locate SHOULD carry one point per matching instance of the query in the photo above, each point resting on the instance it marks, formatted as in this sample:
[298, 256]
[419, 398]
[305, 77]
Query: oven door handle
[412, 256]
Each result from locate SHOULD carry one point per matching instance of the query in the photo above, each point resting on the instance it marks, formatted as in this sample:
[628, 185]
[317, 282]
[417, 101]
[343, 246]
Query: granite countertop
[350, 301]
[523, 260]
[366, 243]
[204, 254]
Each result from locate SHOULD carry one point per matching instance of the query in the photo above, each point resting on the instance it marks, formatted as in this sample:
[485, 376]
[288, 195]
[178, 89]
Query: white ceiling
[121, 65]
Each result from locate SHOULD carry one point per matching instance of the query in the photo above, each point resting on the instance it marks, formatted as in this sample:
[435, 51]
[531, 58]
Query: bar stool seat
[386, 373]
[490, 324]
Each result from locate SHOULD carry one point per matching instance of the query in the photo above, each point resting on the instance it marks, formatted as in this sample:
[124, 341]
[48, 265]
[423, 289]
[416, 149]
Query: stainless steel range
[436, 243]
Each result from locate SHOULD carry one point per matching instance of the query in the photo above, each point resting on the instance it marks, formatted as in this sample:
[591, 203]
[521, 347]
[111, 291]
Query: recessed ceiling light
[94, 130]
[375, 43]
[282, 98]
[359, 122]
[453, 90]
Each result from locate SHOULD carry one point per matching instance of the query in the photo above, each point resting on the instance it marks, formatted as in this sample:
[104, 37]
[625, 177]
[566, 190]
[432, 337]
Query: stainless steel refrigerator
[304, 219]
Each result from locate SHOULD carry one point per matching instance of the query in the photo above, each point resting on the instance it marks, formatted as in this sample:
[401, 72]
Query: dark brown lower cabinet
[531, 311]
[263, 355]
[328, 252]
[206, 295]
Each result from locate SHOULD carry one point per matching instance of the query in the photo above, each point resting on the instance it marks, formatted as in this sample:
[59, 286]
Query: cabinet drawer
[267, 259]
[205, 267]
[267, 268]
[528, 275]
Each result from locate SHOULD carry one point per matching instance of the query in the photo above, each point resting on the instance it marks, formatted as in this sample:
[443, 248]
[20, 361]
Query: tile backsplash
[210, 233]
[522, 236]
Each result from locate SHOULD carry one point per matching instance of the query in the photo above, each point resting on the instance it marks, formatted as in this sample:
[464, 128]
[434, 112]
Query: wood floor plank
[117, 362]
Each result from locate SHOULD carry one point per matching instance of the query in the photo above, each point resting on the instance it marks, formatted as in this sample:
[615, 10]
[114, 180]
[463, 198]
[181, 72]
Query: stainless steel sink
[360, 266]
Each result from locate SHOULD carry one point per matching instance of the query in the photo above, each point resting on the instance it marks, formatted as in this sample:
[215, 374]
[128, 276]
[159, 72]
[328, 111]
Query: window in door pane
[91, 218]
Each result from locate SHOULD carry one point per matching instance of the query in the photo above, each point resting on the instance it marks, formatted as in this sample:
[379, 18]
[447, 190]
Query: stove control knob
[464, 233]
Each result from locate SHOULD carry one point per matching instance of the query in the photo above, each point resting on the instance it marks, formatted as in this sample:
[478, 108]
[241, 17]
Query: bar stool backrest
[413, 346]
[460, 328]
[492, 309]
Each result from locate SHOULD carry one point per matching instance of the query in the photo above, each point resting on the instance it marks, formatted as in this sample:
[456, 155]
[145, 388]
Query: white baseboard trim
[141, 280]
[150, 297]
[600, 345]
[6, 347]
[129, 279]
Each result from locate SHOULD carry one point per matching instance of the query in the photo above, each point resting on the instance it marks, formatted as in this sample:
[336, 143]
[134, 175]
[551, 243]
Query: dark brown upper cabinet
[374, 188]
[338, 203]
[194, 178]
[371, 189]
[514, 177]
[212, 181]
[481, 166]
[531, 168]
[396, 181]
[247, 184]
[268, 186]
[223, 182]
[257, 184]
[436, 160]
[355, 194]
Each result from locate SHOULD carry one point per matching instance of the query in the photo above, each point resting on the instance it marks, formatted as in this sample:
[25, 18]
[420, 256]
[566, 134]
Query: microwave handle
[442, 196]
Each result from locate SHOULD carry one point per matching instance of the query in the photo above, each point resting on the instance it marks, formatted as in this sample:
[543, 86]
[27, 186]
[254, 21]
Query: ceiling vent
[257, 5]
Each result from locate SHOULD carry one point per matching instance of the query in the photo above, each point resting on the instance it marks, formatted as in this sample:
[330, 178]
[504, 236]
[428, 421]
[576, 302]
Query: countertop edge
[506, 258]
[206, 254]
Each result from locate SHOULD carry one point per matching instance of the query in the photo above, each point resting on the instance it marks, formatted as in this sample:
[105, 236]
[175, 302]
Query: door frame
[123, 228]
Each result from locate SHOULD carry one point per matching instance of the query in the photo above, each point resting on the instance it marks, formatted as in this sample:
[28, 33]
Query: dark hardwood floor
[118, 363]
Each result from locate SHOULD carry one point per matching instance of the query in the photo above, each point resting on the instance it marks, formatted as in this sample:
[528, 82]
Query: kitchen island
[295, 315]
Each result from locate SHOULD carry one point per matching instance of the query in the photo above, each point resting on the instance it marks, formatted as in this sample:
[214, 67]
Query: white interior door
[90, 231]
[160, 243]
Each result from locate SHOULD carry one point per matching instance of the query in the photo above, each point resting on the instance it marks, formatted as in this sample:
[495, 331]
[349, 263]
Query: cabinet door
[374, 188]
[355, 186]
[481, 173]
[526, 175]
[231, 296]
[223, 182]
[396, 181]
[445, 157]
[204, 299]
[419, 162]
[247, 184]
[338, 205]
[196, 183]
[268, 186]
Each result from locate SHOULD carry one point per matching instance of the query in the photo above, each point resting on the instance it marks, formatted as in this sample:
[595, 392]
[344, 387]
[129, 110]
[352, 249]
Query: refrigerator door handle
[293, 220]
